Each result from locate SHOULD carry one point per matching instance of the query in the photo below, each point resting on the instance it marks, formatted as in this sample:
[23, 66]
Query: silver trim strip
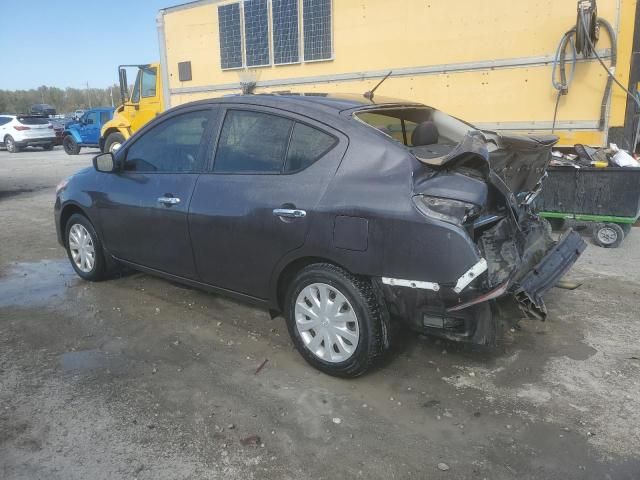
[470, 275]
[539, 125]
[398, 282]
[542, 60]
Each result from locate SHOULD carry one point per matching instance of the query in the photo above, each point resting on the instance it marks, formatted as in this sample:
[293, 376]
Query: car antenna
[369, 95]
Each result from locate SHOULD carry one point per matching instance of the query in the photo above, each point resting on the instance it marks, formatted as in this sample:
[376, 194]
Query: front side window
[307, 145]
[92, 118]
[171, 146]
[135, 98]
[148, 82]
[104, 117]
[253, 142]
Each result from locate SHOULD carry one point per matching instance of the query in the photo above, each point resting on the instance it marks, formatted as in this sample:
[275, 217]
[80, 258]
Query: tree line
[64, 100]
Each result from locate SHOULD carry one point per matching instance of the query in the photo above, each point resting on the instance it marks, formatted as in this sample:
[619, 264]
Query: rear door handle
[289, 213]
[169, 200]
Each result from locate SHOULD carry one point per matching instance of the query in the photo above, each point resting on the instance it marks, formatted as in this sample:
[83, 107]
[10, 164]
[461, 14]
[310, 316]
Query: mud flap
[529, 290]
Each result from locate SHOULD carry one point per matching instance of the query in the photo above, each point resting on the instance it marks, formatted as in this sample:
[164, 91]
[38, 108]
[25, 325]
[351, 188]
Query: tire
[70, 145]
[608, 235]
[557, 224]
[356, 299]
[10, 144]
[98, 269]
[48, 147]
[113, 141]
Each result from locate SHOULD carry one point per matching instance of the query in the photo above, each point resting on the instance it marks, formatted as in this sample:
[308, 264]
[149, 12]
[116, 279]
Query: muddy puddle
[36, 284]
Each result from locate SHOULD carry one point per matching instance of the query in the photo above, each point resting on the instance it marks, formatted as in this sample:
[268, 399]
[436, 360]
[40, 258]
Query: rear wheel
[84, 249]
[10, 144]
[70, 145]
[335, 320]
[608, 235]
[114, 142]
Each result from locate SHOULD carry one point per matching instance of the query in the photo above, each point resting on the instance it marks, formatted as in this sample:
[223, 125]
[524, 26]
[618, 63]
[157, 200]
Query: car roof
[324, 102]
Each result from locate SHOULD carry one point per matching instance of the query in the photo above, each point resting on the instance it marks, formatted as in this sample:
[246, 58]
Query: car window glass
[252, 142]
[148, 82]
[4, 120]
[92, 118]
[307, 145]
[392, 126]
[104, 117]
[171, 146]
[135, 97]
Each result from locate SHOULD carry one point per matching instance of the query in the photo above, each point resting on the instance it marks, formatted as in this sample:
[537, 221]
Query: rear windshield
[33, 120]
[400, 124]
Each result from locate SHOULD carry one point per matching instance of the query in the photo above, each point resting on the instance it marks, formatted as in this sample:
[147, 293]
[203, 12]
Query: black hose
[611, 77]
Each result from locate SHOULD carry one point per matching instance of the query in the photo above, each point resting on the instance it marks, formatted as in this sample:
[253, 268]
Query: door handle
[169, 200]
[289, 213]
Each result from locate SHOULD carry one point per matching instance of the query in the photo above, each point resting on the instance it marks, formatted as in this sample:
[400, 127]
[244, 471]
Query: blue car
[86, 132]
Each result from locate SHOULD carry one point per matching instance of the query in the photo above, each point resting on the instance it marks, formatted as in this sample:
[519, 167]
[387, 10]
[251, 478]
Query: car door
[145, 98]
[269, 171]
[144, 209]
[91, 128]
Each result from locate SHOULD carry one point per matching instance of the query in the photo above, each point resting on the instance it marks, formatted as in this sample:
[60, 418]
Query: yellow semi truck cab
[138, 107]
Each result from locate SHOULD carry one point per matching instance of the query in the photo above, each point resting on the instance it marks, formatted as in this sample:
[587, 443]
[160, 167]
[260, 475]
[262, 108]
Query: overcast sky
[67, 43]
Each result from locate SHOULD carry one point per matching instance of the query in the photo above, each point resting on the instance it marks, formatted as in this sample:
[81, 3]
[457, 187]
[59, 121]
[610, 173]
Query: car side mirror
[105, 163]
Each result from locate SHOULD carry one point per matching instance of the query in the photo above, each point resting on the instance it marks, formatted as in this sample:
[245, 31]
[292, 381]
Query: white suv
[19, 131]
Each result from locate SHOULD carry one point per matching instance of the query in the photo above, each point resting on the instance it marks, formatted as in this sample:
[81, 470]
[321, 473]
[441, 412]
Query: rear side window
[104, 117]
[252, 142]
[4, 120]
[171, 146]
[33, 120]
[307, 145]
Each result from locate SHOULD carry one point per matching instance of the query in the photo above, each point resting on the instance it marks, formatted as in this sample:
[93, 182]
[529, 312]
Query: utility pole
[111, 95]
[88, 95]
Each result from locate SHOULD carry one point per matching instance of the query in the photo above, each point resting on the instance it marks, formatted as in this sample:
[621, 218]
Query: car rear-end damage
[479, 186]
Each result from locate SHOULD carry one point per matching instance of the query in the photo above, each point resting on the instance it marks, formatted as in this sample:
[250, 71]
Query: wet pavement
[138, 377]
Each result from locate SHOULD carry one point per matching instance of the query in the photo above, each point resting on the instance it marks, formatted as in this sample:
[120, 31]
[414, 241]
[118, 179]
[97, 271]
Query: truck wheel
[335, 320]
[70, 145]
[608, 235]
[10, 144]
[114, 142]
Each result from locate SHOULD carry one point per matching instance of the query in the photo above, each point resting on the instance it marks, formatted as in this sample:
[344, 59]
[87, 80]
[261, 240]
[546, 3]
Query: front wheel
[113, 142]
[10, 144]
[335, 320]
[70, 145]
[84, 249]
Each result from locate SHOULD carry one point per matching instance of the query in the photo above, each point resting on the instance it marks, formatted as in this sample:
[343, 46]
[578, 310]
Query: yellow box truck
[489, 62]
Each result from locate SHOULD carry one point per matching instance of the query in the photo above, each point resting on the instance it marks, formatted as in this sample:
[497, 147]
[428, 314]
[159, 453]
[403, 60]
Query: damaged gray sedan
[341, 213]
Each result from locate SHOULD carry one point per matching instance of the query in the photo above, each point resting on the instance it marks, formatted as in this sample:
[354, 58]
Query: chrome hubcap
[326, 323]
[81, 248]
[607, 235]
[114, 147]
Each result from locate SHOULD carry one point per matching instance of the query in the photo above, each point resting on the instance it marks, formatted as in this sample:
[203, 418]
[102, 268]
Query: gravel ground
[141, 378]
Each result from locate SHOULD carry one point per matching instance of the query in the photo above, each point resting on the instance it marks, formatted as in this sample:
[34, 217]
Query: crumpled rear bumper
[529, 289]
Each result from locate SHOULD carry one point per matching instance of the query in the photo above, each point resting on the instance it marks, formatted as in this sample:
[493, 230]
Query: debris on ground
[261, 366]
[443, 466]
[337, 420]
[251, 440]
